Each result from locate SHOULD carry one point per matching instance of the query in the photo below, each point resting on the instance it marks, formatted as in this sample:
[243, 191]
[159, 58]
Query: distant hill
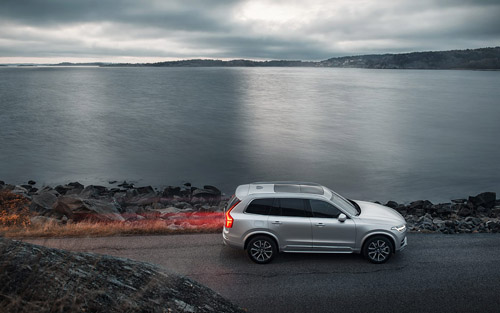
[220, 63]
[484, 58]
[478, 59]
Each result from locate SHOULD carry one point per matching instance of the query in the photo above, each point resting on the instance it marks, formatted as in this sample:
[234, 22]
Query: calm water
[369, 134]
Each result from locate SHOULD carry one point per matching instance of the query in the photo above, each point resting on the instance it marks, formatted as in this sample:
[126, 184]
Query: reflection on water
[369, 134]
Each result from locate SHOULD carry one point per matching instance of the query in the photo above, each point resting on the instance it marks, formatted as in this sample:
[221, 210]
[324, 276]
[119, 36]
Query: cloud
[256, 29]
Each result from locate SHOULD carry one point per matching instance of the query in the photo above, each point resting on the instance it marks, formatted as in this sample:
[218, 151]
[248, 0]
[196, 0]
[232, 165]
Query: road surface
[435, 273]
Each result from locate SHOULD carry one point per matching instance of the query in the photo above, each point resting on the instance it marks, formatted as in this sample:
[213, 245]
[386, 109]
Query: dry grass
[199, 223]
[15, 223]
[14, 210]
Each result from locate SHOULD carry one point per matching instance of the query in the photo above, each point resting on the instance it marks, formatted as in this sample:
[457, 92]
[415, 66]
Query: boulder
[19, 190]
[39, 279]
[212, 188]
[93, 191]
[170, 191]
[464, 210]
[126, 185]
[31, 182]
[212, 196]
[145, 190]
[392, 204]
[72, 188]
[43, 201]
[485, 199]
[83, 209]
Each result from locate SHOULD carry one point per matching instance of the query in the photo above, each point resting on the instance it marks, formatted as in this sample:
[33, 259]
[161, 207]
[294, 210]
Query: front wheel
[261, 249]
[378, 249]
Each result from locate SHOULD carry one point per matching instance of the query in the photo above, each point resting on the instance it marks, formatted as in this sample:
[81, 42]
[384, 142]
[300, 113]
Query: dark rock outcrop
[43, 202]
[485, 199]
[87, 209]
[39, 279]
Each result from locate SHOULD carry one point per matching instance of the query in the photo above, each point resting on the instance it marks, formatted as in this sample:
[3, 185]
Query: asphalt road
[436, 273]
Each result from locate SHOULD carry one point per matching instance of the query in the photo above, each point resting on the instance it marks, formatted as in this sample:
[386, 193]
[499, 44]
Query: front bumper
[403, 244]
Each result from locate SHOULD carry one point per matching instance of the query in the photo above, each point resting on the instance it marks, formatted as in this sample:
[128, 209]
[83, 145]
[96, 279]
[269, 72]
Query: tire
[378, 249]
[261, 249]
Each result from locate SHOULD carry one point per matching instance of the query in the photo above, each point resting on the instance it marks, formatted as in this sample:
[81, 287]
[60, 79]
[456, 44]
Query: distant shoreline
[469, 59]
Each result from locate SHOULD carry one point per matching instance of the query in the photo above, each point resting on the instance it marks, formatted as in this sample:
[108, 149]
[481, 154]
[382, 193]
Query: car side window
[323, 209]
[292, 207]
[260, 206]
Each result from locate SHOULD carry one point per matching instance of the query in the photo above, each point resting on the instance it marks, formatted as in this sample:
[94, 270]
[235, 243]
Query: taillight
[229, 218]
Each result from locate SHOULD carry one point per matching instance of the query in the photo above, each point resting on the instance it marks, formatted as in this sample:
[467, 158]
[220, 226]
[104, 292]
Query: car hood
[376, 211]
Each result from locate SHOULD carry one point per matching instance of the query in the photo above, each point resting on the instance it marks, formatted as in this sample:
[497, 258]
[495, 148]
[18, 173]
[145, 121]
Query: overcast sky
[154, 30]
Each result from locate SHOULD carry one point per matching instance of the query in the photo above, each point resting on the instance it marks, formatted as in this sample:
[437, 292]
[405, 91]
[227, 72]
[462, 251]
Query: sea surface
[368, 134]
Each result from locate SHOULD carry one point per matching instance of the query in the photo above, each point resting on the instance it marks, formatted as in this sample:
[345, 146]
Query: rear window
[260, 206]
[231, 202]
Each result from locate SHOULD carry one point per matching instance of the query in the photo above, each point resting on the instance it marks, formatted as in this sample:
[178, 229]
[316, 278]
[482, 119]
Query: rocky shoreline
[74, 202]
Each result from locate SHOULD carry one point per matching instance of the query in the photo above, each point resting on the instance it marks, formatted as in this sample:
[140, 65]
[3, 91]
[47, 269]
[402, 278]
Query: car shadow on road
[321, 261]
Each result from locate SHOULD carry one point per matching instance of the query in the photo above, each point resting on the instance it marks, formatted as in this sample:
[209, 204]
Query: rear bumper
[235, 242]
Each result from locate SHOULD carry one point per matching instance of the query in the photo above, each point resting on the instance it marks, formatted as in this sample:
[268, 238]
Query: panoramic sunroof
[298, 189]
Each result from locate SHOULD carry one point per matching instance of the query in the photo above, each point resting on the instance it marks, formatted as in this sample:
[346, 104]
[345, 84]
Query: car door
[328, 233]
[290, 222]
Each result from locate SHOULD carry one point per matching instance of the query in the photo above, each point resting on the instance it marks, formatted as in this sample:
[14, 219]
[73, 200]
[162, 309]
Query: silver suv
[270, 217]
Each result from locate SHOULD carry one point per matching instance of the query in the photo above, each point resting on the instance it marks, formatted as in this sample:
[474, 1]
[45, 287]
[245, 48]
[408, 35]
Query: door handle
[276, 223]
[320, 224]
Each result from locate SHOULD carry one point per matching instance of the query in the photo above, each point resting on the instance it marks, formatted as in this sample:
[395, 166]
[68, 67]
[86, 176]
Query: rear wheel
[378, 249]
[261, 249]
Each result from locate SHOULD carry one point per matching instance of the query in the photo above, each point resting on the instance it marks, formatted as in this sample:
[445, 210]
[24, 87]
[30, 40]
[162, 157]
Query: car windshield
[343, 203]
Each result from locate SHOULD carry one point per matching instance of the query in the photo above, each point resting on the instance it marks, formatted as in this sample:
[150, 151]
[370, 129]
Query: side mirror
[342, 217]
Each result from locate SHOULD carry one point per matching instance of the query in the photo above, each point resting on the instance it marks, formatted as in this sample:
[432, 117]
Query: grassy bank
[101, 229]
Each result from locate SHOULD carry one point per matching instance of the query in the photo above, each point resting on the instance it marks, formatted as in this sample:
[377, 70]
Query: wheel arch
[379, 233]
[261, 233]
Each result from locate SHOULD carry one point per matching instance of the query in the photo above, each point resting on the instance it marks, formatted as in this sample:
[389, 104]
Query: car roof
[282, 188]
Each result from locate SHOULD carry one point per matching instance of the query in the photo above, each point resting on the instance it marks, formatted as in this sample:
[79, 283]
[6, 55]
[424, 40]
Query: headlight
[400, 228]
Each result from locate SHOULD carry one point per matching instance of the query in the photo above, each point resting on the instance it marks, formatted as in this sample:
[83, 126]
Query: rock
[464, 211]
[210, 195]
[183, 205]
[213, 189]
[126, 185]
[38, 221]
[495, 212]
[72, 188]
[87, 209]
[40, 279]
[139, 200]
[145, 190]
[485, 199]
[494, 227]
[27, 186]
[111, 182]
[2, 183]
[392, 204]
[187, 184]
[459, 201]
[31, 182]
[43, 202]
[419, 212]
[19, 190]
[420, 204]
[93, 191]
[170, 191]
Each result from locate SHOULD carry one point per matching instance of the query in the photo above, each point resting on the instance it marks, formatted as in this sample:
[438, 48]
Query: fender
[260, 232]
[377, 232]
